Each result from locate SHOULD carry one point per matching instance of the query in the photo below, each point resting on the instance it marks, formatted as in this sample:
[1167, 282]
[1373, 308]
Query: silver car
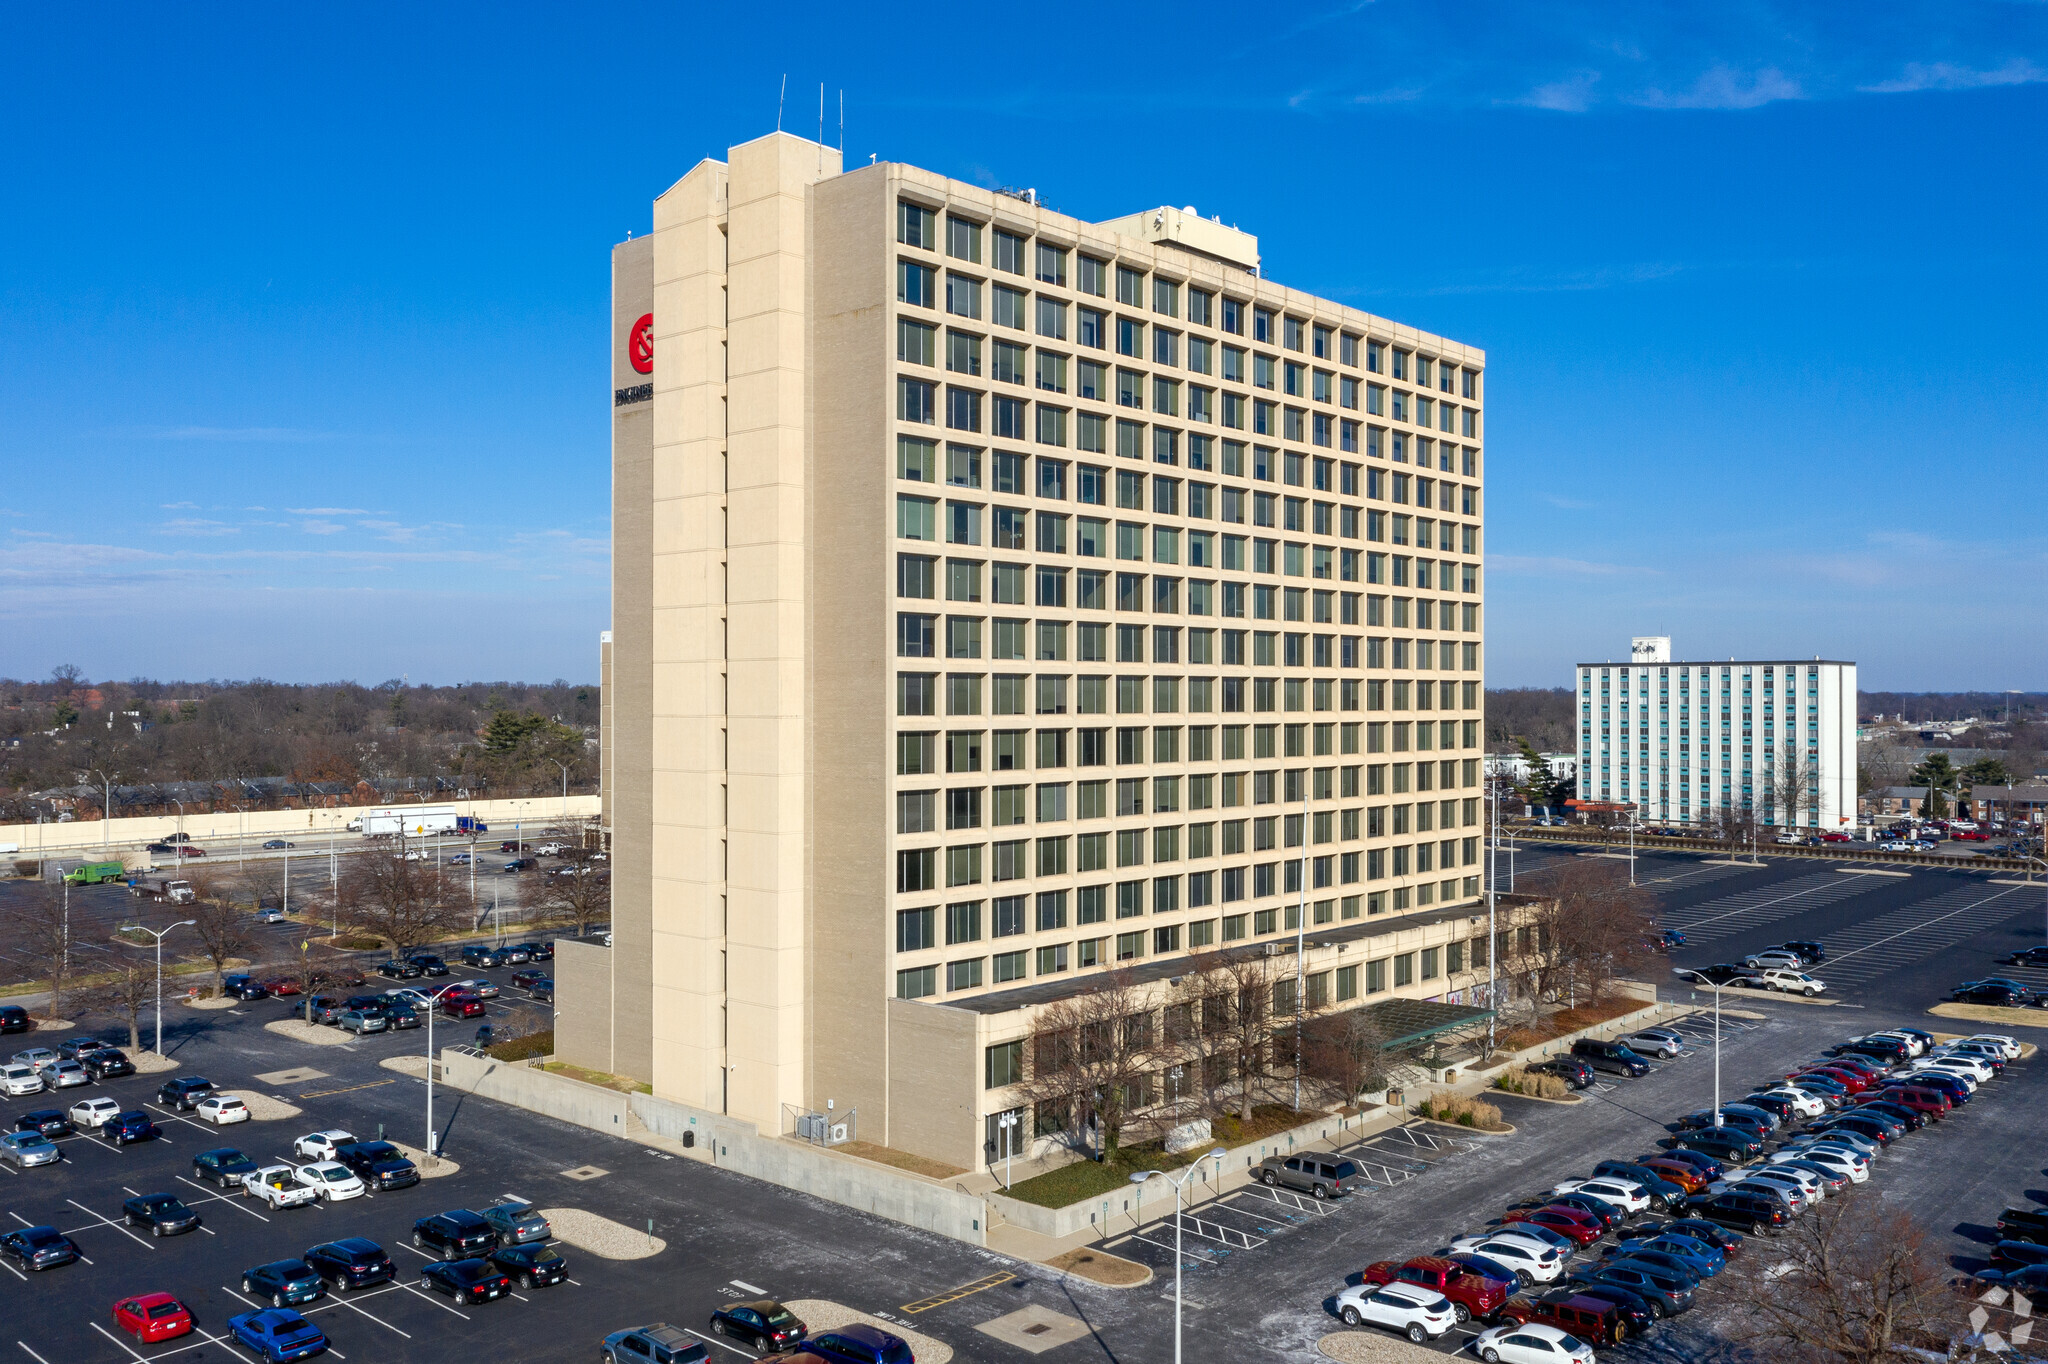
[1661, 1043]
[358, 1021]
[66, 1075]
[28, 1148]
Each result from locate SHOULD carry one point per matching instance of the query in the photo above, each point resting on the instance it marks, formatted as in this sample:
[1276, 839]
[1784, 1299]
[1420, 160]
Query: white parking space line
[117, 1226]
[221, 1197]
[723, 1345]
[19, 1275]
[418, 1293]
[132, 1351]
[31, 1353]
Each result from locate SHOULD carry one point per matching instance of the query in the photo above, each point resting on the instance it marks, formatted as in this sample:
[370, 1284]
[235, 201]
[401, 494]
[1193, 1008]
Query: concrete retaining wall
[723, 1141]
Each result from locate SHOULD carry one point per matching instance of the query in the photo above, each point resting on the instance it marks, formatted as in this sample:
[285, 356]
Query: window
[1052, 320]
[963, 239]
[963, 295]
[1052, 264]
[915, 226]
[916, 284]
[963, 353]
[963, 975]
[917, 982]
[1009, 252]
[1003, 1065]
[963, 409]
[916, 929]
[1008, 307]
[915, 634]
[916, 342]
[916, 401]
[917, 869]
[1130, 286]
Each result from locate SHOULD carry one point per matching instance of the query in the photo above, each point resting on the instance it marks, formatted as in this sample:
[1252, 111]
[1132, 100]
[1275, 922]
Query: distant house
[1888, 801]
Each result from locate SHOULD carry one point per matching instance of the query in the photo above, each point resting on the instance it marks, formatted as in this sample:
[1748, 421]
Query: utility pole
[1300, 965]
[1492, 899]
[106, 814]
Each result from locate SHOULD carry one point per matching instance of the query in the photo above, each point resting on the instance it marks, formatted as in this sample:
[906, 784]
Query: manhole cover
[1037, 1329]
[585, 1172]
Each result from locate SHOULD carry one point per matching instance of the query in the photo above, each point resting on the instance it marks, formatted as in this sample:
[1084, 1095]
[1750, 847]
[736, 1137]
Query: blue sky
[303, 309]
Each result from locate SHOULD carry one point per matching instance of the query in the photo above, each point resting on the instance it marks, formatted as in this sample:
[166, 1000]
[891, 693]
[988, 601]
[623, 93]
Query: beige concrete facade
[1002, 598]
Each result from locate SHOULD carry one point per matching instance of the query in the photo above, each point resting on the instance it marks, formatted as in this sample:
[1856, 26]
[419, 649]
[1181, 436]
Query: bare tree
[1226, 1049]
[1343, 1055]
[224, 931]
[36, 924]
[407, 901]
[1581, 927]
[1091, 1061]
[1850, 1283]
[126, 991]
[1788, 789]
[584, 898]
[1884, 764]
[318, 974]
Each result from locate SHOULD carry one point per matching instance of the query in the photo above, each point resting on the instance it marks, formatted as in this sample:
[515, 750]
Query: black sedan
[429, 964]
[398, 970]
[524, 978]
[465, 1280]
[351, 1262]
[107, 1063]
[458, 1230]
[162, 1213]
[276, 843]
[2030, 956]
[51, 1122]
[1665, 1294]
[532, 1265]
[285, 1282]
[1724, 973]
[1731, 1144]
[762, 1323]
[2003, 996]
[223, 1166]
[39, 1247]
[1569, 1069]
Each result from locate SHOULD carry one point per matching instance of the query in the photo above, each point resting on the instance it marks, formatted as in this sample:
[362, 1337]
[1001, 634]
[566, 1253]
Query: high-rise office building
[1001, 599]
[1689, 743]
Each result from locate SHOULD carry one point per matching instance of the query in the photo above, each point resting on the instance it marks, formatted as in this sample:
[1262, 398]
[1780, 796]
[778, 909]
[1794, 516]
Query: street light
[565, 784]
[106, 813]
[1139, 1177]
[158, 934]
[432, 999]
[1007, 1124]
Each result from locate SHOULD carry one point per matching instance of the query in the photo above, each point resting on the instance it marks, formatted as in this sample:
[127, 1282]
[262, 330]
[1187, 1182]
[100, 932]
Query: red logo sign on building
[640, 345]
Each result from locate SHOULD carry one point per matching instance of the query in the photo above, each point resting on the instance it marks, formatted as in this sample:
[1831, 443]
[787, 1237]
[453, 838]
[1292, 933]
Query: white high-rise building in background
[1685, 742]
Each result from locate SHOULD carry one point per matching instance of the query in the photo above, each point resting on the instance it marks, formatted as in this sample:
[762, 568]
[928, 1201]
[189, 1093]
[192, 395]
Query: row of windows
[917, 226]
[966, 409]
[919, 694]
[1343, 983]
[919, 635]
[919, 753]
[917, 461]
[970, 807]
[1211, 695]
[1009, 362]
[918, 578]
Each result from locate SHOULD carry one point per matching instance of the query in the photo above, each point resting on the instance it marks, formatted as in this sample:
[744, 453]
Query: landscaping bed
[1564, 1022]
[1093, 1178]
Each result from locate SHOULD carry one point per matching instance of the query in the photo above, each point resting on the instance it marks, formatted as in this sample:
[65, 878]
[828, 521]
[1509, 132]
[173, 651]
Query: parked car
[47, 1122]
[1532, 1261]
[484, 956]
[280, 1187]
[1570, 1069]
[223, 1167]
[1773, 958]
[1638, 1316]
[40, 1058]
[107, 1063]
[1667, 1294]
[1471, 1293]
[39, 1247]
[1418, 1313]
[1807, 950]
[1613, 1057]
[222, 1109]
[18, 1079]
[1725, 974]
[1731, 1144]
[1627, 1195]
[1314, 1173]
[1792, 981]
[361, 1021]
[480, 987]
[2010, 1255]
[517, 1223]
[429, 964]
[1577, 1225]
[331, 1179]
[282, 987]
[380, 1165]
[856, 1344]
[25, 1149]
[153, 1317]
[130, 1125]
[469, 1280]
[164, 1214]
[458, 1231]
[1659, 1042]
[537, 1266]
[661, 1339]
[398, 970]
[1530, 1343]
[14, 1018]
[458, 1004]
[351, 1262]
[285, 1282]
[1588, 1319]
[537, 951]
[1751, 1212]
[184, 1093]
[278, 1334]
[524, 978]
[2024, 1224]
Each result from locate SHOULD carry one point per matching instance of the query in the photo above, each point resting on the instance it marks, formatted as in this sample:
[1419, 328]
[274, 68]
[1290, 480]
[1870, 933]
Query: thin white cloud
[1572, 95]
[196, 525]
[1550, 566]
[1723, 87]
[1918, 76]
[181, 506]
[328, 511]
[322, 527]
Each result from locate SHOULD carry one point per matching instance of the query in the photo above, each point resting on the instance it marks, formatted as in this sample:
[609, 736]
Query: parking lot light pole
[432, 1000]
[158, 934]
[1139, 1177]
[1717, 1055]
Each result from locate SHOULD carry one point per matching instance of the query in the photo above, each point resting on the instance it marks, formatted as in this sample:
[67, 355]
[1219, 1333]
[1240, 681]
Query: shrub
[1516, 1080]
[359, 944]
[1463, 1112]
[524, 1048]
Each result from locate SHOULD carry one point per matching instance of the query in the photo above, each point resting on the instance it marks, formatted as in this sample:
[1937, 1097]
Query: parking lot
[1892, 936]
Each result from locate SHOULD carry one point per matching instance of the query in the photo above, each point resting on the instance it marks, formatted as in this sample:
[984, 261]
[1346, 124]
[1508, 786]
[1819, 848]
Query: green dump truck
[95, 873]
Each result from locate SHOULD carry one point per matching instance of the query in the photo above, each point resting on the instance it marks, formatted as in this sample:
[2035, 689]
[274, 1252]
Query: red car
[459, 1005]
[282, 985]
[1471, 1293]
[1581, 1227]
[1969, 835]
[1834, 838]
[187, 850]
[153, 1317]
[1932, 1102]
[1848, 1079]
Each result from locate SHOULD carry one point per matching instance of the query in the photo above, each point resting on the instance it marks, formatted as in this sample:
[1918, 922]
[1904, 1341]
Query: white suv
[1624, 1194]
[91, 1113]
[2008, 1047]
[1792, 982]
[1418, 1313]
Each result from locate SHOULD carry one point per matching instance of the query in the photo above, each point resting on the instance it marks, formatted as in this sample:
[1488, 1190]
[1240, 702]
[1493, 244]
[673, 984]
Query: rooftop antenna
[842, 130]
[821, 128]
[779, 101]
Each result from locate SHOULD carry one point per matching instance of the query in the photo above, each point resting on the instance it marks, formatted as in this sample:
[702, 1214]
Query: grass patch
[901, 1160]
[1092, 1179]
[598, 1077]
[1102, 1267]
[357, 944]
